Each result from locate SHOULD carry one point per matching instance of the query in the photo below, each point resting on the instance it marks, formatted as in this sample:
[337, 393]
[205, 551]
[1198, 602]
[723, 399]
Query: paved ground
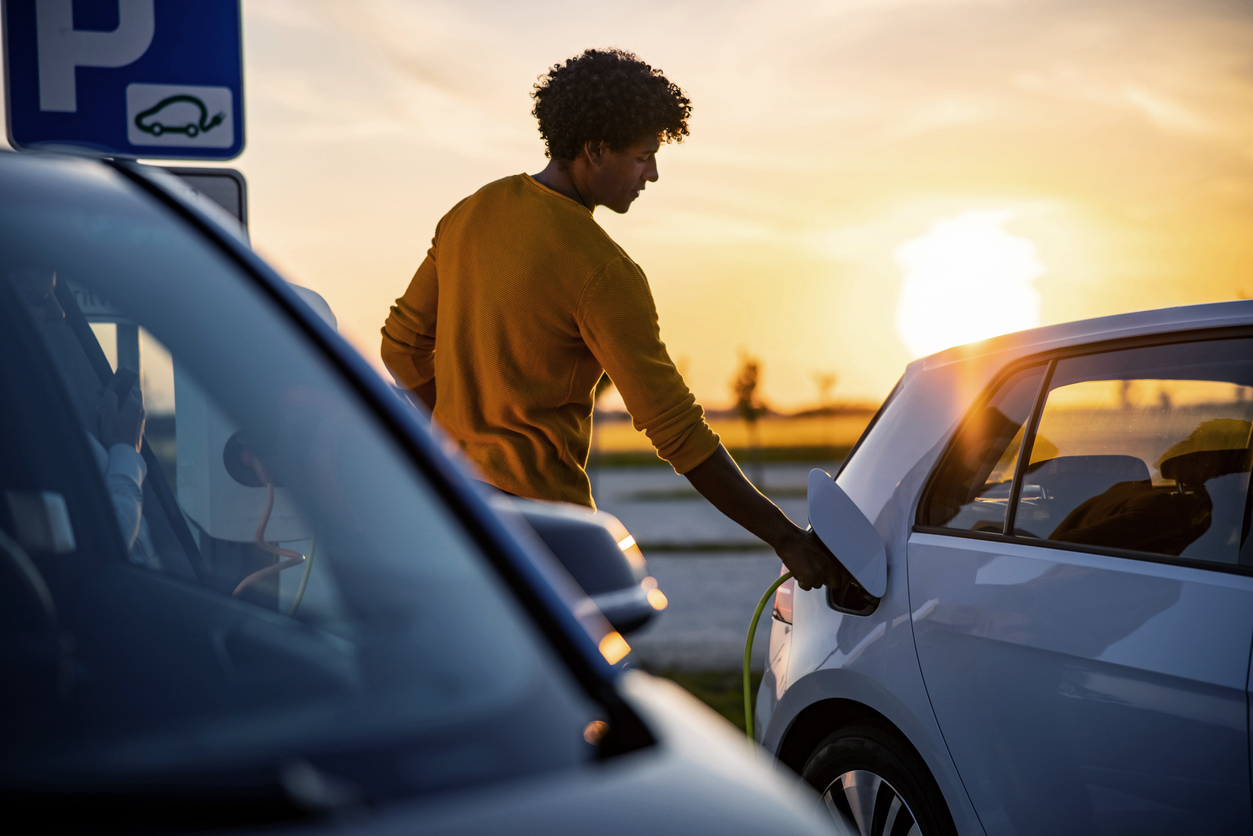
[712, 571]
[711, 601]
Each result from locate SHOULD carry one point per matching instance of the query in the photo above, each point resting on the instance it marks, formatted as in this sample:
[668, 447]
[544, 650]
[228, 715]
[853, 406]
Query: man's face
[620, 176]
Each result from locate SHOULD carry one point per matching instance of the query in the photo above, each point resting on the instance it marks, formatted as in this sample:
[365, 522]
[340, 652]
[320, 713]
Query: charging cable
[292, 558]
[748, 652]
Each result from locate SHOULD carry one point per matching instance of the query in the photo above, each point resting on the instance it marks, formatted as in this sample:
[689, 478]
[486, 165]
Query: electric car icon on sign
[181, 114]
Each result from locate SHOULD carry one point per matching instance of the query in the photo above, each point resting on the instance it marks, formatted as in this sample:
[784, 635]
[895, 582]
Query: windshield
[219, 563]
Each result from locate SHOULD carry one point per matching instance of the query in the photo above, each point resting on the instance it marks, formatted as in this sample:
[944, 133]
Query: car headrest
[1113, 469]
[1202, 465]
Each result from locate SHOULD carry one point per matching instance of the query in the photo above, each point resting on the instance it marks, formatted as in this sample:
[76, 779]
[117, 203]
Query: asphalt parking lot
[712, 571]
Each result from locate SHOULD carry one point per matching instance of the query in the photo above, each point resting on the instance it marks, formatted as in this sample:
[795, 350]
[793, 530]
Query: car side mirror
[602, 558]
[844, 529]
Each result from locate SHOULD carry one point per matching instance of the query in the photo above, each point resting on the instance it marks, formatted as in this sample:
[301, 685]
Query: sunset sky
[957, 167]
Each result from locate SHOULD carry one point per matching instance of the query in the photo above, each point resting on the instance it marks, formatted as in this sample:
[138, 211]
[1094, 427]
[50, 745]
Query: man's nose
[650, 173]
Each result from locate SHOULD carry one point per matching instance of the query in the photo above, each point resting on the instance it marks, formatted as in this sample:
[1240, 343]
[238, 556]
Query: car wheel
[192, 130]
[157, 129]
[873, 784]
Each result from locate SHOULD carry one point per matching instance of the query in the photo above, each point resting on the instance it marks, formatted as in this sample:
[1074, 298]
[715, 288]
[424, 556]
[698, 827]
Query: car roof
[1099, 329]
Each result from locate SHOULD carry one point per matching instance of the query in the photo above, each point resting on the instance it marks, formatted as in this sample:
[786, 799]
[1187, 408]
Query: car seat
[1068, 481]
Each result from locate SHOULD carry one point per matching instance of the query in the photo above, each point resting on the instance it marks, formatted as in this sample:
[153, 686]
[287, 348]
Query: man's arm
[619, 323]
[408, 345]
[720, 481]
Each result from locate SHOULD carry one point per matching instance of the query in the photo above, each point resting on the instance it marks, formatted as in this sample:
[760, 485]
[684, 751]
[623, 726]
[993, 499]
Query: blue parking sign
[160, 79]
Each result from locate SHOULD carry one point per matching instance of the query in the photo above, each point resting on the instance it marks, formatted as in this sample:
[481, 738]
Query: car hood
[700, 777]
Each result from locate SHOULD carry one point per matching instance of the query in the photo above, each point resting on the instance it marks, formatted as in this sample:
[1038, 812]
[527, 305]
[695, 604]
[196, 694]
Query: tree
[825, 381]
[750, 407]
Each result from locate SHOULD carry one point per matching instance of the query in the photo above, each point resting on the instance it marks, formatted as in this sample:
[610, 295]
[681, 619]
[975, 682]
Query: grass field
[723, 691]
[782, 438]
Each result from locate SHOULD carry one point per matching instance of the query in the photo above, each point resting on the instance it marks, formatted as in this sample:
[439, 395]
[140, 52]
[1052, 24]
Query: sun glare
[965, 280]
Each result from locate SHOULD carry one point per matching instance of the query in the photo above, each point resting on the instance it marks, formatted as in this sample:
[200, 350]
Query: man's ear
[595, 151]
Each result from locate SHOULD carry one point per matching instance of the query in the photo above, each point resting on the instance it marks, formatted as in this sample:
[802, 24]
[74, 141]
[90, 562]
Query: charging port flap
[844, 529]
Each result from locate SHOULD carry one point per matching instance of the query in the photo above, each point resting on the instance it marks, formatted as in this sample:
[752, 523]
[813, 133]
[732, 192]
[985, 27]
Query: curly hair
[606, 95]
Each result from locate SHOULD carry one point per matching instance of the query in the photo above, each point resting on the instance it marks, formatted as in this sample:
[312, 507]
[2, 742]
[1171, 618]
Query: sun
[966, 279]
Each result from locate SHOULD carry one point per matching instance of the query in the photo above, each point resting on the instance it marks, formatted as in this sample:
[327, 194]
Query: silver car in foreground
[1054, 634]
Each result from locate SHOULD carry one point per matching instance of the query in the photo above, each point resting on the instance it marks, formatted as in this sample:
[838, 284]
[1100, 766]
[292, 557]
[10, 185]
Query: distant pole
[593, 468]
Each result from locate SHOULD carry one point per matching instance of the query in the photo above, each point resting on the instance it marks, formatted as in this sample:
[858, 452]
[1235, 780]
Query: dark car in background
[287, 607]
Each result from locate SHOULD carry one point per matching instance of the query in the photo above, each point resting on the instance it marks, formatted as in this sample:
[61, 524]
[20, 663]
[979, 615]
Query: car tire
[157, 129]
[872, 783]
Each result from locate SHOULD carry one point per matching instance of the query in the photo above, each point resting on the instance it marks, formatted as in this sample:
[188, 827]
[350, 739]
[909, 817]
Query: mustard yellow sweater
[520, 304]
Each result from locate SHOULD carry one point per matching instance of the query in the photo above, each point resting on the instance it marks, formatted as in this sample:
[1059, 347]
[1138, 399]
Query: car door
[1080, 578]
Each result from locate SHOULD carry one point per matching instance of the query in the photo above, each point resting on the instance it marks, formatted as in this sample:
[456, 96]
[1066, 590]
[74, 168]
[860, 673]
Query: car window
[1145, 449]
[267, 579]
[971, 490]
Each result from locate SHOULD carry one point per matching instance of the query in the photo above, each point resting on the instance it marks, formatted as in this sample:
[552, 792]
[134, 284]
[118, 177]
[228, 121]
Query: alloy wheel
[864, 804]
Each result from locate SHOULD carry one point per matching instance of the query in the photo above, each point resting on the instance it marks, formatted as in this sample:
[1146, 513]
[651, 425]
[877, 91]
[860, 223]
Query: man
[523, 300]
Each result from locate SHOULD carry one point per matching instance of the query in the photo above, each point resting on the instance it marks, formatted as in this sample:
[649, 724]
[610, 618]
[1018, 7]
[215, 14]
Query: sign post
[159, 79]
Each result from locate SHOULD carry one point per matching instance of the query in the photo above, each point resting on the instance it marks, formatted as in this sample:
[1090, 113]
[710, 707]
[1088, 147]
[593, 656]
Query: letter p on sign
[62, 48]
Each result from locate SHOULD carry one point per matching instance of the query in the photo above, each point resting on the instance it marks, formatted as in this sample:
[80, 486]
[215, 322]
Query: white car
[1051, 629]
[280, 605]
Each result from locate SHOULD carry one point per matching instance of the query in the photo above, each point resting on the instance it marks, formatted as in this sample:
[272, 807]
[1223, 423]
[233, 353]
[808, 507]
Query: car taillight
[783, 599]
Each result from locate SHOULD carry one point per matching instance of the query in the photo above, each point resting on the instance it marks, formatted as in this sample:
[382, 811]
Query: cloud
[947, 112]
[1166, 114]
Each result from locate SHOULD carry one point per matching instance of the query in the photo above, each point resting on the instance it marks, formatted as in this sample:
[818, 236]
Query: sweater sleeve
[408, 348]
[618, 321]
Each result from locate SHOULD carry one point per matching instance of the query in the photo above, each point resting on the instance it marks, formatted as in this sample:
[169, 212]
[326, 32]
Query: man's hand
[811, 563]
[719, 480]
[121, 423]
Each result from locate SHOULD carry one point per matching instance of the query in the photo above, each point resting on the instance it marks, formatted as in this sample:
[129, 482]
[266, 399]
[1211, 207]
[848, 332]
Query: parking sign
[160, 79]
